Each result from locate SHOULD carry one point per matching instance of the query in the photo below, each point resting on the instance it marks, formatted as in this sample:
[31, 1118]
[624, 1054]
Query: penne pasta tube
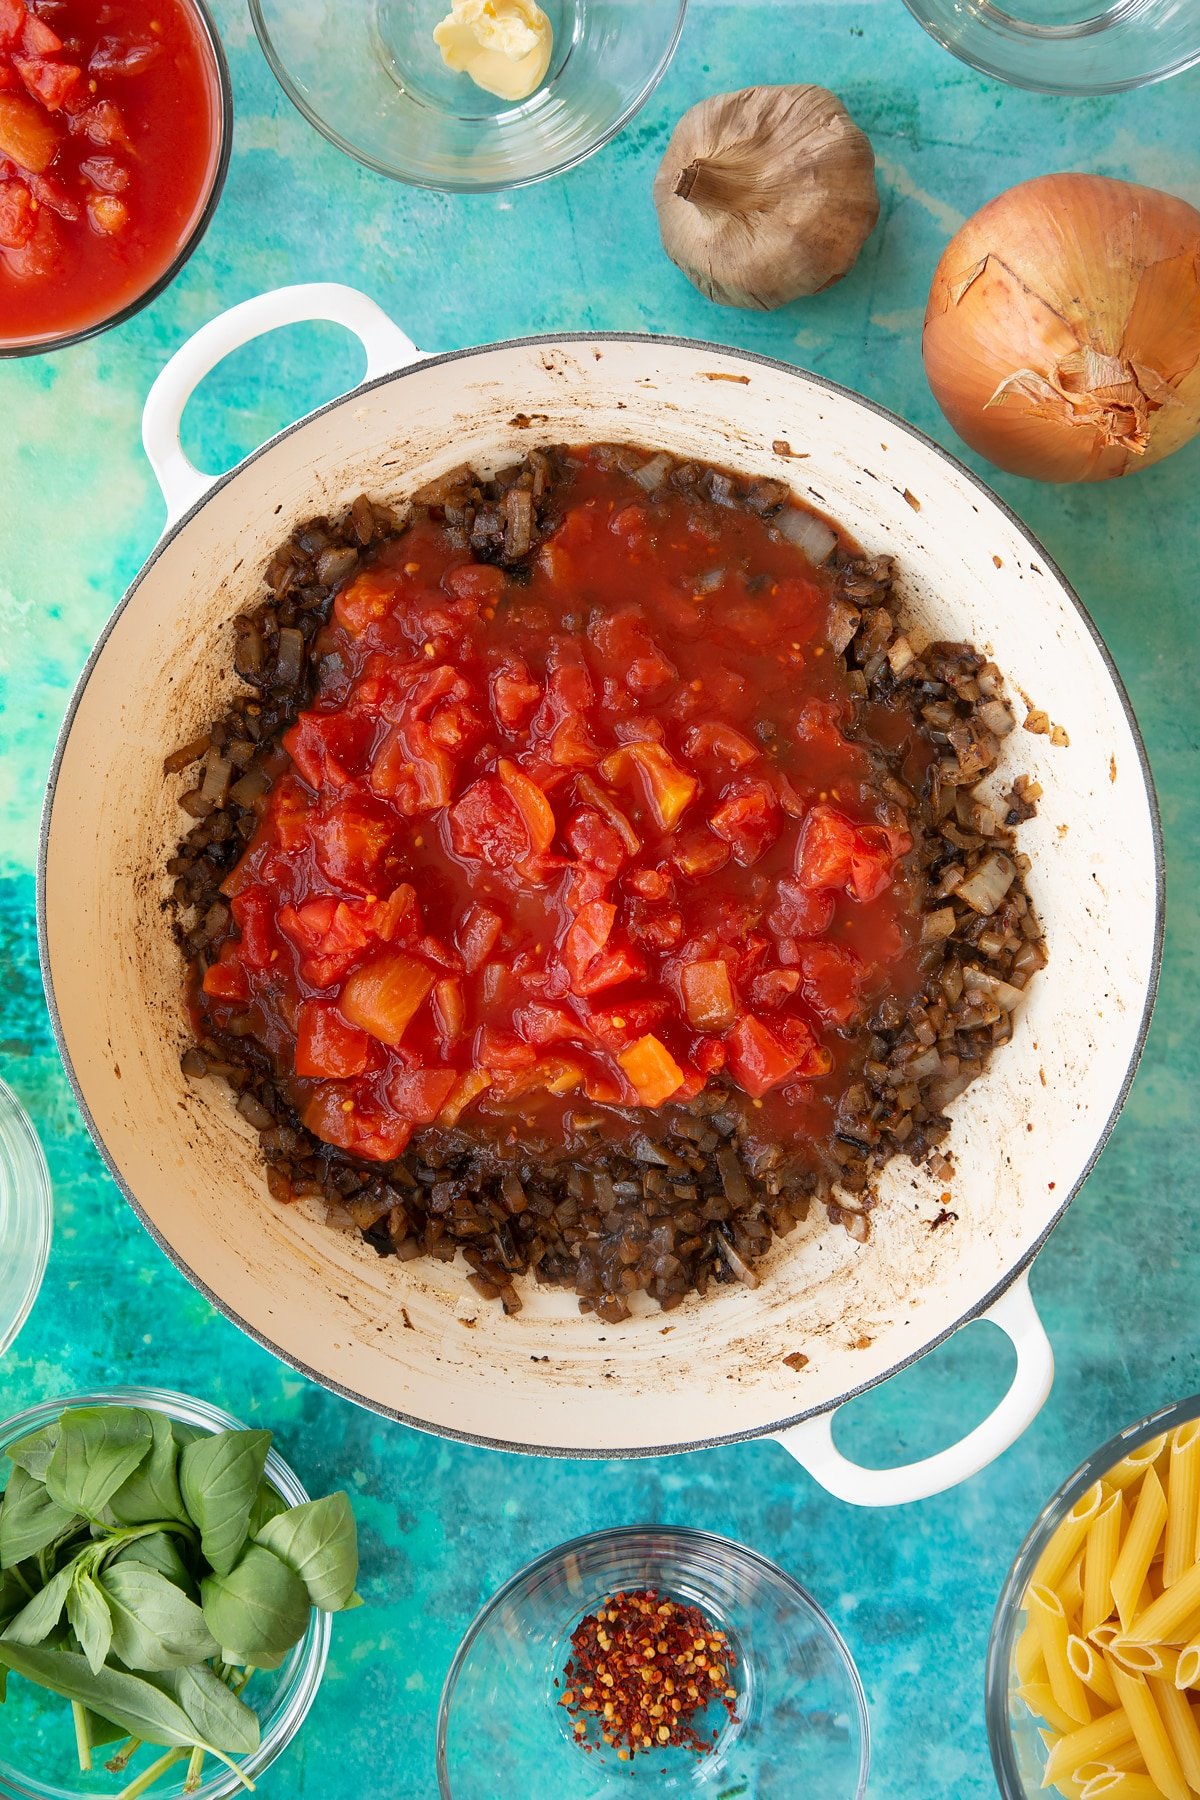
[1027, 1652]
[1187, 1668]
[1046, 1609]
[1091, 1669]
[1039, 1698]
[1144, 1659]
[1117, 1784]
[1141, 1541]
[1183, 1502]
[1091, 1742]
[1166, 1619]
[1100, 1559]
[1069, 1788]
[1182, 1728]
[1103, 1635]
[1131, 1468]
[1146, 1723]
[1070, 1589]
[1125, 1756]
[1068, 1540]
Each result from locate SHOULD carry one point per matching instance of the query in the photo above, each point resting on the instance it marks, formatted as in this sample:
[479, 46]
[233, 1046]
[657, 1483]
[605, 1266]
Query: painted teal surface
[442, 1525]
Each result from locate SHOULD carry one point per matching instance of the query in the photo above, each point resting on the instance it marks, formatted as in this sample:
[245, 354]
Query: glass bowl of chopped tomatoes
[683, 1661]
[115, 130]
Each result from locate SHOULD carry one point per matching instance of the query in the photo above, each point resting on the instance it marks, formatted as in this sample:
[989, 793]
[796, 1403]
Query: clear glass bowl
[207, 206]
[801, 1725]
[26, 1215]
[37, 1725]
[1067, 46]
[370, 77]
[1018, 1754]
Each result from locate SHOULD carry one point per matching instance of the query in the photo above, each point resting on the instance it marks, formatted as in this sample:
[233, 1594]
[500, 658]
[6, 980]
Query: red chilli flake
[644, 1668]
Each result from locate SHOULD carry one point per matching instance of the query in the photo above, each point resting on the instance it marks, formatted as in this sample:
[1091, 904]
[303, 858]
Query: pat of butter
[503, 45]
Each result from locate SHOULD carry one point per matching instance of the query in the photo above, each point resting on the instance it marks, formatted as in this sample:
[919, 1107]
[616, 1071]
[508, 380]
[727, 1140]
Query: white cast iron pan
[411, 1340]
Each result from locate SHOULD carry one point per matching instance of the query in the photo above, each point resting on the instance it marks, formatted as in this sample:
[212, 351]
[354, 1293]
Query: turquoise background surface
[442, 1525]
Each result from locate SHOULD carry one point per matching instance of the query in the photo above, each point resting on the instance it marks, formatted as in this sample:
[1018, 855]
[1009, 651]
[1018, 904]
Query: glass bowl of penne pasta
[1093, 1677]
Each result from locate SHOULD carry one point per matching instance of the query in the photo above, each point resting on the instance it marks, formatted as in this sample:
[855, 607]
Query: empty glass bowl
[25, 1216]
[800, 1723]
[1018, 1754]
[370, 77]
[1067, 46]
[37, 1746]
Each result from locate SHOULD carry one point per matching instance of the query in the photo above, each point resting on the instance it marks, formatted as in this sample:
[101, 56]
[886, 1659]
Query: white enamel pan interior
[412, 1340]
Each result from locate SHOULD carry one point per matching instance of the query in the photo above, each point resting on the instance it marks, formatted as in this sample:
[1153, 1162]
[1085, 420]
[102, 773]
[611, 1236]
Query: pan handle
[811, 1442]
[387, 348]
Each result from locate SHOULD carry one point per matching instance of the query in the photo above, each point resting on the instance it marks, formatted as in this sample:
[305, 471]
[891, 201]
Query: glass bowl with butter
[468, 95]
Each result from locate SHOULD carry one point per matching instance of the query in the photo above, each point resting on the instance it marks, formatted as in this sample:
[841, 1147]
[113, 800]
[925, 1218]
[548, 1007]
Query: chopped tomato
[329, 748]
[668, 789]
[700, 853]
[502, 1050]
[226, 981]
[652, 1069]
[38, 38]
[382, 997]
[52, 83]
[27, 136]
[556, 1074]
[595, 842]
[541, 1024]
[420, 1094]
[756, 1058]
[836, 853]
[254, 913]
[354, 842]
[531, 803]
[470, 1084]
[339, 1113]
[16, 215]
[748, 819]
[799, 911]
[487, 825]
[327, 1047]
[831, 981]
[515, 694]
[450, 1008]
[723, 742]
[366, 600]
[774, 987]
[13, 15]
[708, 995]
[477, 936]
[476, 581]
[616, 1025]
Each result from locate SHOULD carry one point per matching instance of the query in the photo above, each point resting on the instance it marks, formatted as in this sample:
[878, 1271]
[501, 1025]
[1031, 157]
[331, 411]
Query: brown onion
[1062, 336]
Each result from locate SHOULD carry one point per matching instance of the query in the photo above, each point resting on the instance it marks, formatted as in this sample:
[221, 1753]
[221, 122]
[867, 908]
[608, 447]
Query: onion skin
[1082, 294]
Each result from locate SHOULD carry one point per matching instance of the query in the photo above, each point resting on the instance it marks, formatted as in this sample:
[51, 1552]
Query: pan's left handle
[387, 348]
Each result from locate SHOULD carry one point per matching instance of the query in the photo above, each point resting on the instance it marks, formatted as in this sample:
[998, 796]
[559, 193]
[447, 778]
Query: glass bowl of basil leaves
[157, 1559]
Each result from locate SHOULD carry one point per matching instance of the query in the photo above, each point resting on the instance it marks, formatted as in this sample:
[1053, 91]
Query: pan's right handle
[811, 1442]
[387, 348]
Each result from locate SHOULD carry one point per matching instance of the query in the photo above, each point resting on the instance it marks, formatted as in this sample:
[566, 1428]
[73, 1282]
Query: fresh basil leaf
[219, 1477]
[138, 1707]
[29, 1519]
[90, 1618]
[319, 1543]
[220, 1718]
[102, 1730]
[152, 1491]
[158, 1551]
[259, 1609]
[154, 1626]
[33, 1453]
[268, 1504]
[98, 1448]
[38, 1617]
